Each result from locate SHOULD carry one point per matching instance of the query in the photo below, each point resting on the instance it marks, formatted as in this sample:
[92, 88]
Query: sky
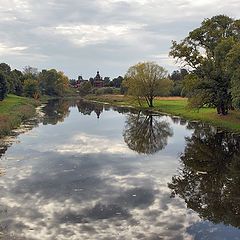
[80, 37]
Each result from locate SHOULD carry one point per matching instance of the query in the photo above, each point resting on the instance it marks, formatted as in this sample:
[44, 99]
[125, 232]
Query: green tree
[147, 80]
[52, 82]
[233, 66]
[205, 51]
[117, 82]
[177, 77]
[17, 82]
[3, 87]
[31, 88]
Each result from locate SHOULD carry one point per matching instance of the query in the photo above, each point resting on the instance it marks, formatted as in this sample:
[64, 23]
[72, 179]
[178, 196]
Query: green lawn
[13, 110]
[179, 107]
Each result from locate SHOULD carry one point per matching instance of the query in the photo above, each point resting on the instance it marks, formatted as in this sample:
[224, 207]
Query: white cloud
[85, 34]
[12, 50]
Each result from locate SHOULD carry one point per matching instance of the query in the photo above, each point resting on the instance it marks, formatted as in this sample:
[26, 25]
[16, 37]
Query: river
[92, 171]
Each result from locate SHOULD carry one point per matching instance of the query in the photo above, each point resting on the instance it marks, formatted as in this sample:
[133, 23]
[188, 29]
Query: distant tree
[31, 88]
[72, 82]
[147, 80]
[30, 72]
[91, 80]
[206, 50]
[3, 86]
[177, 77]
[106, 81]
[117, 82]
[85, 88]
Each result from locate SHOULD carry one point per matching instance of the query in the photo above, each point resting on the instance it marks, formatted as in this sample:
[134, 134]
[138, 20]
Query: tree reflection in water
[146, 134]
[86, 108]
[56, 111]
[209, 179]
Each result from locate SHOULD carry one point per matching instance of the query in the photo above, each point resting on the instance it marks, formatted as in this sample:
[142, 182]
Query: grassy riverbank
[14, 110]
[178, 106]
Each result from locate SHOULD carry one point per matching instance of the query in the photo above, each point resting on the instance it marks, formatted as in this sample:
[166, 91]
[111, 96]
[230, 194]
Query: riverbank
[177, 106]
[14, 110]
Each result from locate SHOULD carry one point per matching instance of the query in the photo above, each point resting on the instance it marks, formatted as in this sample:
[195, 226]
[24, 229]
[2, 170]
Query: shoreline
[175, 107]
[14, 110]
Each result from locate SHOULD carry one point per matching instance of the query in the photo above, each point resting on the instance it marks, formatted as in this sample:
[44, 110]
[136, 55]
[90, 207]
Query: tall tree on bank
[147, 80]
[206, 51]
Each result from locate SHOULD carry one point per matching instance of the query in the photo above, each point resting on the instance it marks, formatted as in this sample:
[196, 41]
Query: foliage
[53, 83]
[205, 50]
[31, 88]
[233, 64]
[3, 87]
[13, 79]
[30, 72]
[147, 80]
[177, 77]
[85, 88]
[117, 82]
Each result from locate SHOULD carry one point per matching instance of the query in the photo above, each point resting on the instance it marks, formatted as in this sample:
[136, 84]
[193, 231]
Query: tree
[233, 66]
[52, 82]
[17, 82]
[117, 82]
[147, 80]
[106, 81]
[31, 88]
[146, 134]
[177, 77]
[3, 87]
[205, 51]
[30, 72]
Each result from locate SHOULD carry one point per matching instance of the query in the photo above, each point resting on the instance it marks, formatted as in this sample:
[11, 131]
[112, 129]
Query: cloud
[80, 36]
[83, 35]
[12, 50]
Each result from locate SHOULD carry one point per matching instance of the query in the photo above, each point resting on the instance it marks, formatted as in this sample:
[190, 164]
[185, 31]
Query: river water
[89, 171]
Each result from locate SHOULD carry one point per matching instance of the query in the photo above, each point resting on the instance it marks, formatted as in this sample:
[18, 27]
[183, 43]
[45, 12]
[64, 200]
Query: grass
[14, 110]
[178, 106]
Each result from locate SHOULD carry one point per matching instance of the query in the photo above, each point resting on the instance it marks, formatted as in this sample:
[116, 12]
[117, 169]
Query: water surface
[88, 171]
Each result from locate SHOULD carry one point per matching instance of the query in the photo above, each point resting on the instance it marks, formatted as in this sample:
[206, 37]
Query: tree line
[31, 83]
